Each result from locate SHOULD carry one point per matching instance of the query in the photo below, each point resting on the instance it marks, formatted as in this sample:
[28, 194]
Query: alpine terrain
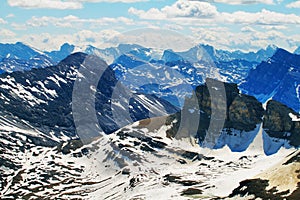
[172, 126]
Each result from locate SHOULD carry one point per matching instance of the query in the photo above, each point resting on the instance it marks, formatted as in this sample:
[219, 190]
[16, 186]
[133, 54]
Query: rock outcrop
[282, 122]
[218, 108]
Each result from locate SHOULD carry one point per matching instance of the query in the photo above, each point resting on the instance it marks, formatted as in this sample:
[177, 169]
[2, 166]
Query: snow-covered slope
[150, 159]
[37, 116]
[137, 161]
[44, 97]
[220, 138]
[281, 181]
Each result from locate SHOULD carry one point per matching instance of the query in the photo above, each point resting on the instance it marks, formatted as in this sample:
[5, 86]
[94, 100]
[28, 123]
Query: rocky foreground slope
[164, 157]
[140, 162]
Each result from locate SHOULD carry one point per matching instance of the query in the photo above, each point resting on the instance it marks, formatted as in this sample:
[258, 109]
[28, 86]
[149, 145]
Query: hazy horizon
[229, 25]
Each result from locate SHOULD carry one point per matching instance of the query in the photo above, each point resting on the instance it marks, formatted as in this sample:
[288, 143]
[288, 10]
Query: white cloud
[225, 30]
[152, 13]
[247, 29]
[181, 8]
[11, 15]
[240, 2]
[155, 38]
[2, 21]
[5, 33]
[277, 27]
[113, 1]
[60, 4]
[264, 17]
[52, 4]
[49, 42]
[74, 21]
[195, 12]
[248, 39]
[295, 4]
[174, 27]
[16, 26]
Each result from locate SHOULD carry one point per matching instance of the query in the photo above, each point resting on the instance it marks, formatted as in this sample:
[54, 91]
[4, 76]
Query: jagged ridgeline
[42, 98]
[242, 116]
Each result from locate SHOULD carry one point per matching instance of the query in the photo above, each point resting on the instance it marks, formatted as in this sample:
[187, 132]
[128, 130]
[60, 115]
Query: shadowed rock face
[43, 98]
[279, 124]
[243, 113]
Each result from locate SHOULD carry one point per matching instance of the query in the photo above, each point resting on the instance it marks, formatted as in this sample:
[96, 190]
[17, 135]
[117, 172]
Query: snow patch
[294, 117]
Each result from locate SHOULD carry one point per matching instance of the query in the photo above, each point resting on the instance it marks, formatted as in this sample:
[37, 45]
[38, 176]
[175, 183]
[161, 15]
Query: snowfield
[136, 162]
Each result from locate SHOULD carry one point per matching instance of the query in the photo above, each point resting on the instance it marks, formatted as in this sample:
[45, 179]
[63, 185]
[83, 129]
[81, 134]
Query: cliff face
[282, 122]
[232, 116]
[244, 113]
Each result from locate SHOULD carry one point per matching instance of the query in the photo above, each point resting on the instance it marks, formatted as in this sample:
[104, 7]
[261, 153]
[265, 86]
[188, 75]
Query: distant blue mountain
[20, 57]
[171, 56]
[112, 53]
[215, 55]
[17, 51]
[191, 67]
[259, 56]
[277, 78]
[65, 50]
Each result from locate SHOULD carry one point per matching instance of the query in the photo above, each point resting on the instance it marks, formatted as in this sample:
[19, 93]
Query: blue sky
[225, 24]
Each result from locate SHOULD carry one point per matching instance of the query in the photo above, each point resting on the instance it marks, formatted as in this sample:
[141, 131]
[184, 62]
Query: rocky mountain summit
[240, 116]
[277, 79]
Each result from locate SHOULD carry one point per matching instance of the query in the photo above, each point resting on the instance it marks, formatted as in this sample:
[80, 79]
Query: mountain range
[161, 155]
[150, 124]
[22, 52]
